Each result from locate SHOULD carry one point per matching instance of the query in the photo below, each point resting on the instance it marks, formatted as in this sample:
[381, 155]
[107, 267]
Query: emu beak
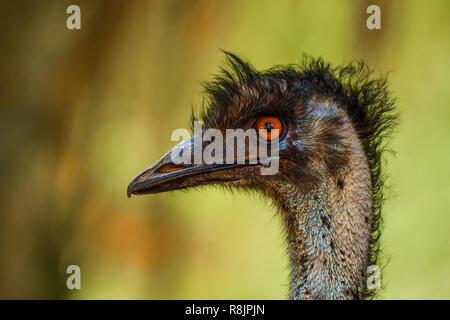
[166, 175]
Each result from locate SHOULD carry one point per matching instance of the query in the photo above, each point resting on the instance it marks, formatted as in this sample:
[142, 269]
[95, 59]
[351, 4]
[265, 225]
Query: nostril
[170, 167]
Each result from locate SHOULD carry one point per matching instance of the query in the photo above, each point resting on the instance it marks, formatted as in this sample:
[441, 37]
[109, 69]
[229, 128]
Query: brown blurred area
[68, 98]
[83, 111]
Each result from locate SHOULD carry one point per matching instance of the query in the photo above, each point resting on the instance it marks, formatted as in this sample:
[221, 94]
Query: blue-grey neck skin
[328, 230]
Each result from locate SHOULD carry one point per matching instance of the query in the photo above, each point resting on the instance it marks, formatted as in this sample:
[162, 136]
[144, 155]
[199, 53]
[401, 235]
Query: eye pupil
[268, 126]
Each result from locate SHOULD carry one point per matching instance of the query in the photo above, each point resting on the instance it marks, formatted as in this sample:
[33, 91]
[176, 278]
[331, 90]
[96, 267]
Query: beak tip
[130, 189]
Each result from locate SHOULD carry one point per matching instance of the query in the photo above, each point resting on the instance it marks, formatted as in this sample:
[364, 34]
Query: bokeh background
[82, 111]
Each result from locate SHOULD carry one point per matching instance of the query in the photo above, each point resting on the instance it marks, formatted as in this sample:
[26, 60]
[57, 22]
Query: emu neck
[328, 229]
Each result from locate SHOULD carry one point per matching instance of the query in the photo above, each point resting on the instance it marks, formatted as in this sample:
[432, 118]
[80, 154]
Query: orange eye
[269, 128]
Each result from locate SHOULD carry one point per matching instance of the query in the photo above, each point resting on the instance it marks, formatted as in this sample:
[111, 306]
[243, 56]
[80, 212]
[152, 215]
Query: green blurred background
[83, 111]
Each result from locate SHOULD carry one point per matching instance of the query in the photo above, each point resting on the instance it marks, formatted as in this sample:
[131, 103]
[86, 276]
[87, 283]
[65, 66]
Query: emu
[331, 124]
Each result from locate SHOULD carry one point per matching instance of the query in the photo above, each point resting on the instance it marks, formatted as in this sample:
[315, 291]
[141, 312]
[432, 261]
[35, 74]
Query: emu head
[304, 111]
[324, 127]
